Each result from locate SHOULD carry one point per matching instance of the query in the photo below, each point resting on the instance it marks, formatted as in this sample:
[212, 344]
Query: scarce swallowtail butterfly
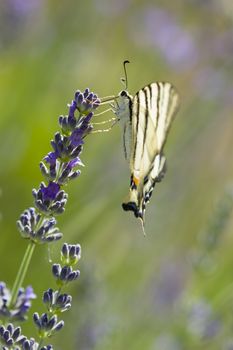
[146, 118]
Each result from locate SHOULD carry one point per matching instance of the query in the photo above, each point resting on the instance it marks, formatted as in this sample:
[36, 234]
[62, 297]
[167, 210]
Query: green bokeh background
[170, 290]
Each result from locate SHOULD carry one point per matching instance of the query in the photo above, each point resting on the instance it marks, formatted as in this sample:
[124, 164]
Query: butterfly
[146, 118]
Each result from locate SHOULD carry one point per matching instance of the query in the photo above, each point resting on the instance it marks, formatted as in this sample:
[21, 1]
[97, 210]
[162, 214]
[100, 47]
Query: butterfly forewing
[152, 111]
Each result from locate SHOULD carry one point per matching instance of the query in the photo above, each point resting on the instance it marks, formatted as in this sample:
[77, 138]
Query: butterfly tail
[135, 203]
[132, 203]
[139, 194]
[137, 206]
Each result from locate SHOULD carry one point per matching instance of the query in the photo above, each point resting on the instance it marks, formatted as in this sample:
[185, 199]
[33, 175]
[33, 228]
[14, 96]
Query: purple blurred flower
[220, 45]
[23, 302]
[25, 8]
[20, 308]
[228, 344]
[201, 320]
[167, 289]
[4, 298]
[167, 341]
[210, 83]
[161, 30]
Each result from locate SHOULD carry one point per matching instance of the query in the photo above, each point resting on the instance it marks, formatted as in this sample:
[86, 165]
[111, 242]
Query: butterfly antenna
[125, 79]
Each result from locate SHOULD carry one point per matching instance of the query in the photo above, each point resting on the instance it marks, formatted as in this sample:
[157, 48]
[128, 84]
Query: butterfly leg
[115, 106]
[103, 112]
[104, 122]
[115, 120]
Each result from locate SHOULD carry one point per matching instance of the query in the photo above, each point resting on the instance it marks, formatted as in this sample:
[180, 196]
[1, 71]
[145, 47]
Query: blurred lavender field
[172, 290]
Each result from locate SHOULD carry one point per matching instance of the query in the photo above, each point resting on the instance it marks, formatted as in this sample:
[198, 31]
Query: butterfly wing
[153, 109]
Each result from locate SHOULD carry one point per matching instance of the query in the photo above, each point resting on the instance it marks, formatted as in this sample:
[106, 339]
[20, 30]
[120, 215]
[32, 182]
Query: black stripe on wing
[136, 105]
[147, 93]
[124, 141]
[158, 103]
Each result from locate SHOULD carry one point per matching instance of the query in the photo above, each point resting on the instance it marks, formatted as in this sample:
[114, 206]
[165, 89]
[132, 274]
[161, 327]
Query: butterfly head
[124, 96]
[124, 93]
[122, 105]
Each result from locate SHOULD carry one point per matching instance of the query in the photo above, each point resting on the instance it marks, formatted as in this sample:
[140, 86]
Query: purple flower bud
[51, 158]
[65, 250]
[65, 271]
[86, 92]
[48, 347]
[56, 270]
[58, 326]
[44, 170]
[96, 103]
[74, 175]
[29, 293]
[48, 297]
[72, 109]
[44, 320]
[36, 319]
[76, 137]
[50, 192]
[53, 237]
[88, 117]
[10, 336]
[16, 333]
[77, 94]
[75, 153]
[28, 227]
[48, 324]
[80, 99]
[74, 162]
[90, 96]
[18, 310]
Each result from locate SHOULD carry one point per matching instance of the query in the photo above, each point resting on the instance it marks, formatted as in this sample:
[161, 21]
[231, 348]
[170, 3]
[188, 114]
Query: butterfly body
[122, 109]
[146, 119]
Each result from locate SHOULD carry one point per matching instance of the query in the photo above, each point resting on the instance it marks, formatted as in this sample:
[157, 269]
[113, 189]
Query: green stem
[59, 171]
[40, 343]
[22, 272]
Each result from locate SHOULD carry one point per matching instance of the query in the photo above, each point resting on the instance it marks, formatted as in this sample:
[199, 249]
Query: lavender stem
[22, 272]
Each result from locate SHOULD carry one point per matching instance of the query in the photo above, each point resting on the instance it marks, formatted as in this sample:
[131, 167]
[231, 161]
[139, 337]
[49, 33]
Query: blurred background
[170, 290]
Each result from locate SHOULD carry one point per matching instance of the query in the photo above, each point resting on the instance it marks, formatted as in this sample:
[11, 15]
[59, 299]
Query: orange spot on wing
[136, 180]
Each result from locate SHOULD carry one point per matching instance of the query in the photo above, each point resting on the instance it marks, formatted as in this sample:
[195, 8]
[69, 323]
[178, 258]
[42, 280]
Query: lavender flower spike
[10, 336]
[70, 254]
[28, 223]
[55, 302]
[58, 168]
[86, 101]
[47, 325]
[50, 200]
[38, 224]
